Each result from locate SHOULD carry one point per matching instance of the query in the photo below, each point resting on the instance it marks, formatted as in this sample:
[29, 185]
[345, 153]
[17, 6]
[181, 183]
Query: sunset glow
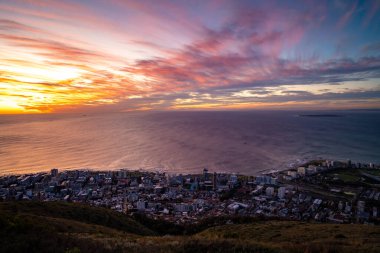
[69, 56]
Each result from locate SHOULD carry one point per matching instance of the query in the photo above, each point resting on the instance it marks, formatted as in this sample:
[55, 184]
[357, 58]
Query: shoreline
[290, 165]
[295, 194]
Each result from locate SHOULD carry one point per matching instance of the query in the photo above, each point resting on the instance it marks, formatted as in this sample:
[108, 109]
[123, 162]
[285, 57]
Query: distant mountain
[73, 228]
[321, 115]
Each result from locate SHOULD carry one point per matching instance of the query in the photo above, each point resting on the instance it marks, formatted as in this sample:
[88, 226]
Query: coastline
[320, 190]
[289, 165]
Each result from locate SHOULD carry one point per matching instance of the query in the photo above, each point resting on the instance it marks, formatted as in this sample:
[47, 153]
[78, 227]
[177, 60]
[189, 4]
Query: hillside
[296, 236]
[63, 227]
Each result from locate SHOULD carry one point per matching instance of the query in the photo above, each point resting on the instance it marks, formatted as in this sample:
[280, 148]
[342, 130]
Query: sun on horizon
[70, 56]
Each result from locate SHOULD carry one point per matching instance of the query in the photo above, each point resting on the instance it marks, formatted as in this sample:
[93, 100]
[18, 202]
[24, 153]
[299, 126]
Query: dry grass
[30, 227]
[300, 237]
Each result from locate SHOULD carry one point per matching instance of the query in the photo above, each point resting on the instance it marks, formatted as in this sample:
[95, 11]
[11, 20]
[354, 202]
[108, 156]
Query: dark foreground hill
[63, 227]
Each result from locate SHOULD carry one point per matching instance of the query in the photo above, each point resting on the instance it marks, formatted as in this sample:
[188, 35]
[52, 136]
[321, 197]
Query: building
[269, 191]
[54, 172]
[122, 174]
[233, 178]
[266, 180]
[182, 207]
[340, 205]
[141, 205]
[347, 209]
[208, 185]
[281, 192]
[311, 169]
[301, 171]
[361, 206]
[292, 174]
[205, 174]
[215, 181]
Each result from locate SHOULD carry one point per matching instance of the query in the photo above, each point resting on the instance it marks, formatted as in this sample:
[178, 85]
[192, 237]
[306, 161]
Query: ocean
[247, 142]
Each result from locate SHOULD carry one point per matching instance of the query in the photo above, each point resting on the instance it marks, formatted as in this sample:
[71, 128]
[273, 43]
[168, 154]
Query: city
[316, 192]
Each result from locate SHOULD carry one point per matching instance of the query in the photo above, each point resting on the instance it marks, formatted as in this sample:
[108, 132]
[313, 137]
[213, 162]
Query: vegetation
[77, 212]
[354, 176]
[300, 237]
[74, 228]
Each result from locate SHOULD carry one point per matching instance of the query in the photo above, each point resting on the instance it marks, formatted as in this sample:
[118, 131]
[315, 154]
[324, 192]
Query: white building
[269, 191]
[281, 192]
[301, 171]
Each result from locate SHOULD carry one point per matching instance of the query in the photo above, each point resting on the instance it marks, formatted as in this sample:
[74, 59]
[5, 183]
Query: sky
[122, 55]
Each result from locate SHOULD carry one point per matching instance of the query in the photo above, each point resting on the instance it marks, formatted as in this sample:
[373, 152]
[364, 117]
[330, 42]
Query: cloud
[347, 15]
[10, 25]
[372, 47]
[52, 49]
[128, 55]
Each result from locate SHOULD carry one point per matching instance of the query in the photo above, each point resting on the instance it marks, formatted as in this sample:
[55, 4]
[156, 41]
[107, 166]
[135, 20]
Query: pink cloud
[347, 16]
[164, 49]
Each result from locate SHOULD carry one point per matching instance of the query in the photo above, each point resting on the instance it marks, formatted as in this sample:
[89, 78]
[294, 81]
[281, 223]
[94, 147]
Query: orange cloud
[128, 55]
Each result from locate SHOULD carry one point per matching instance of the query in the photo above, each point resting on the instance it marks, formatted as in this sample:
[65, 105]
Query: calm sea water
[245, 142]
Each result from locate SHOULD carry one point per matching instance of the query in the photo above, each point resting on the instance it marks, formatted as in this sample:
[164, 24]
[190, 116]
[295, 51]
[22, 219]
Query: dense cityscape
[321, 191]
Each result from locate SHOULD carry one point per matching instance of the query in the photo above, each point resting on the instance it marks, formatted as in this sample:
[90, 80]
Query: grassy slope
[62, 227]
[298, 236]
[78, 212]
[59, 227]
